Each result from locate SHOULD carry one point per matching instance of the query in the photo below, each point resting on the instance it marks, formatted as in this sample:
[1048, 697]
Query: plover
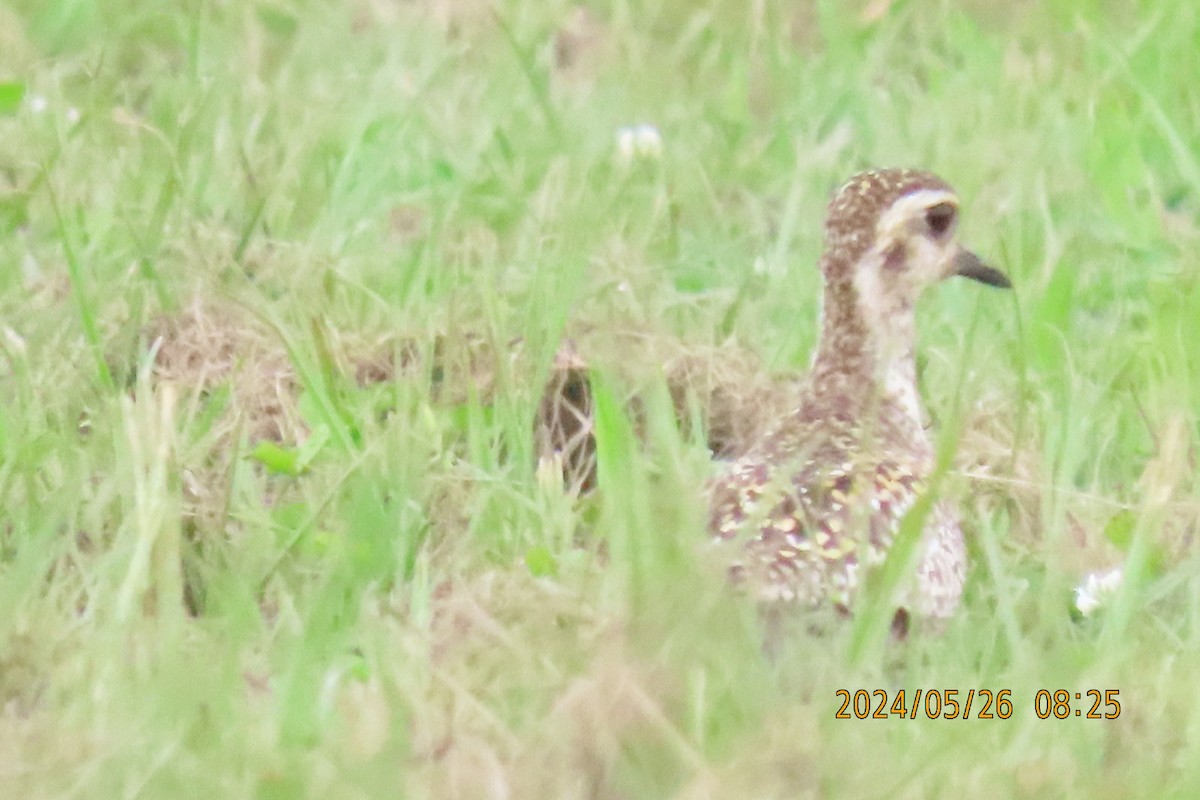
[820, 497]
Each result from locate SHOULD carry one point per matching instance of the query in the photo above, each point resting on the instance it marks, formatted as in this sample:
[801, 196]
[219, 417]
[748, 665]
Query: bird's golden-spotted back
[815, 502]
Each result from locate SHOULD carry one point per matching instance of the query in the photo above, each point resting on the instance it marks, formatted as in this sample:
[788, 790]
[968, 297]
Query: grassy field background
[280, 283]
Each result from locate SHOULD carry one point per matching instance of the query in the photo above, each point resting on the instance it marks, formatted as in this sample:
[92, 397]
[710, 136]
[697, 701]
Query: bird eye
[939, 217]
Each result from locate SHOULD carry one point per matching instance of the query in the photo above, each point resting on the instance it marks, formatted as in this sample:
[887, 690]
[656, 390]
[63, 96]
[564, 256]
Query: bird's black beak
[968, 265]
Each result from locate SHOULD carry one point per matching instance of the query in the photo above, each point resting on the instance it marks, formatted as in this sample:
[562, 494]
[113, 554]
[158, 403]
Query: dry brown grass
[208, 345]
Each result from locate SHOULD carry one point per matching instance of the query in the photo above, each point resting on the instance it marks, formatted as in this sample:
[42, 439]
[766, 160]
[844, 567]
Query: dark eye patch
[939, 217]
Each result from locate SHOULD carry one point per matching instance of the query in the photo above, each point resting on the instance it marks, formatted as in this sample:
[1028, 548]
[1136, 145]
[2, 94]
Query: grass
[279, 286]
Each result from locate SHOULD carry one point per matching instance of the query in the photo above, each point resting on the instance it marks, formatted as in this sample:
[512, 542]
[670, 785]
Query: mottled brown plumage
[822, 494]
[563, 428]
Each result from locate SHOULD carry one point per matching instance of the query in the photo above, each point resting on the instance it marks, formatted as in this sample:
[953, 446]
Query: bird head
[891, 233]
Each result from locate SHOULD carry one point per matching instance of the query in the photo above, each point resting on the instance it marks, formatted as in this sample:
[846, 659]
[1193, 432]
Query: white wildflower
[1097, 589]
[636, 142]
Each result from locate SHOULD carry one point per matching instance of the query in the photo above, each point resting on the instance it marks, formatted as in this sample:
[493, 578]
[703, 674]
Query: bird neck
[865, 364]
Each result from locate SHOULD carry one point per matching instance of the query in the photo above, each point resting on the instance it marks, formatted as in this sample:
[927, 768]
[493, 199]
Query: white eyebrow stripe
[906, 207]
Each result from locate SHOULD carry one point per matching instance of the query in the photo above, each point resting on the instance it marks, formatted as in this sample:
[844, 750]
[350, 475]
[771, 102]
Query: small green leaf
[11, 95]
[540, 561]
[1119, 530]
[279, 460]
